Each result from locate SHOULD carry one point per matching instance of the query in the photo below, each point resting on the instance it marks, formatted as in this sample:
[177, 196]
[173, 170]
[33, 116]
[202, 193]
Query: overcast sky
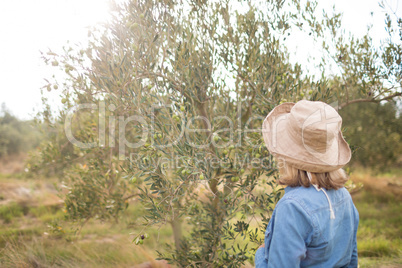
[28, 26]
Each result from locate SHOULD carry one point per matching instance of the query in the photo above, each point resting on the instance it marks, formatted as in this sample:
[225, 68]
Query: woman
[315, 222]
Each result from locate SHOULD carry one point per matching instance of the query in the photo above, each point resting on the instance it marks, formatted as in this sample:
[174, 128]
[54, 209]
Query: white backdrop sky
[30, 26]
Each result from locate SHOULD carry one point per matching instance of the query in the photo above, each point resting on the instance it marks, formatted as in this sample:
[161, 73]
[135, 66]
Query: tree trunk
[177, 232]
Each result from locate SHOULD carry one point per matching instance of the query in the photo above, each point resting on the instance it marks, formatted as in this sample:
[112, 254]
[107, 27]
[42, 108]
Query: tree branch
[371, 100]
[246, 116]
[176, 86]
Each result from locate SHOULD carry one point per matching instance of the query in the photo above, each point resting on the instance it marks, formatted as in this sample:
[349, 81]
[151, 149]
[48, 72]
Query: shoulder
[293, 203]
[291, 213]
[312, 200]
[304, 197]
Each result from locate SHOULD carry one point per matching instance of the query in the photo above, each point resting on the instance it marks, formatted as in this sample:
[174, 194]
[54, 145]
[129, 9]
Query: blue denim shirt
[301, 232]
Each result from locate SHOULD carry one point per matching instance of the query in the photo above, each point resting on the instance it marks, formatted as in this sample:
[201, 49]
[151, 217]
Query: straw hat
[307, 135]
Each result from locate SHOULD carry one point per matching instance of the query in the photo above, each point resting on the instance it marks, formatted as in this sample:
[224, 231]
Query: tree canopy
[170, 96]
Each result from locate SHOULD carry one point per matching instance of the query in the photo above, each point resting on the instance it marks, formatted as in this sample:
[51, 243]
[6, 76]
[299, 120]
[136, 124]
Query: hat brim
[295, 152]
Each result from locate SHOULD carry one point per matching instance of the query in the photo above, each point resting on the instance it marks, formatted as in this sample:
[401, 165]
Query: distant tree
[375, 131]
[16, 136]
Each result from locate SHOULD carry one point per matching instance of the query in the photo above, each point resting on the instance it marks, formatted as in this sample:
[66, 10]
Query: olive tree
[170, 96]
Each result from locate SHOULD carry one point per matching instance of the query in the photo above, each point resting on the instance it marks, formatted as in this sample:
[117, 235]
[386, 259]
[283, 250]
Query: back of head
[291, 176]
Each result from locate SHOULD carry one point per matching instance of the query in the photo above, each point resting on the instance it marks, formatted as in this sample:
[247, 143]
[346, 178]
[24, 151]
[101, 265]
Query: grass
[30, 234]
[28, 241]
[379, 237]
[11, 211]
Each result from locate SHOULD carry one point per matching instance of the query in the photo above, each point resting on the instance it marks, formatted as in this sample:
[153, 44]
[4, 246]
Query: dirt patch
[30, 193]
[13, 164]
[90, 238]
[384, 186]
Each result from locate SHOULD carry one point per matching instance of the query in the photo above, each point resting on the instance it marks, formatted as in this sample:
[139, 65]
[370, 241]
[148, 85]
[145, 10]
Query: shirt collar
[332, 214]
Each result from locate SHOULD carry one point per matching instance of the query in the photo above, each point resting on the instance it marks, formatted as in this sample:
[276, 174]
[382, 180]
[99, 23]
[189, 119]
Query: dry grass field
[33, 233]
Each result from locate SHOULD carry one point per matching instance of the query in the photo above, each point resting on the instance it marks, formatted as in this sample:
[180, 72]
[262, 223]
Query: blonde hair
[293, 177]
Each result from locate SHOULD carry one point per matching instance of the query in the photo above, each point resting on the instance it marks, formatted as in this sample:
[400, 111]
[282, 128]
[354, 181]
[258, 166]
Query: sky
[30, 26]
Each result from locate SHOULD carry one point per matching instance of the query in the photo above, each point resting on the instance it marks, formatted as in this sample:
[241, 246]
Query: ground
[33, 233]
